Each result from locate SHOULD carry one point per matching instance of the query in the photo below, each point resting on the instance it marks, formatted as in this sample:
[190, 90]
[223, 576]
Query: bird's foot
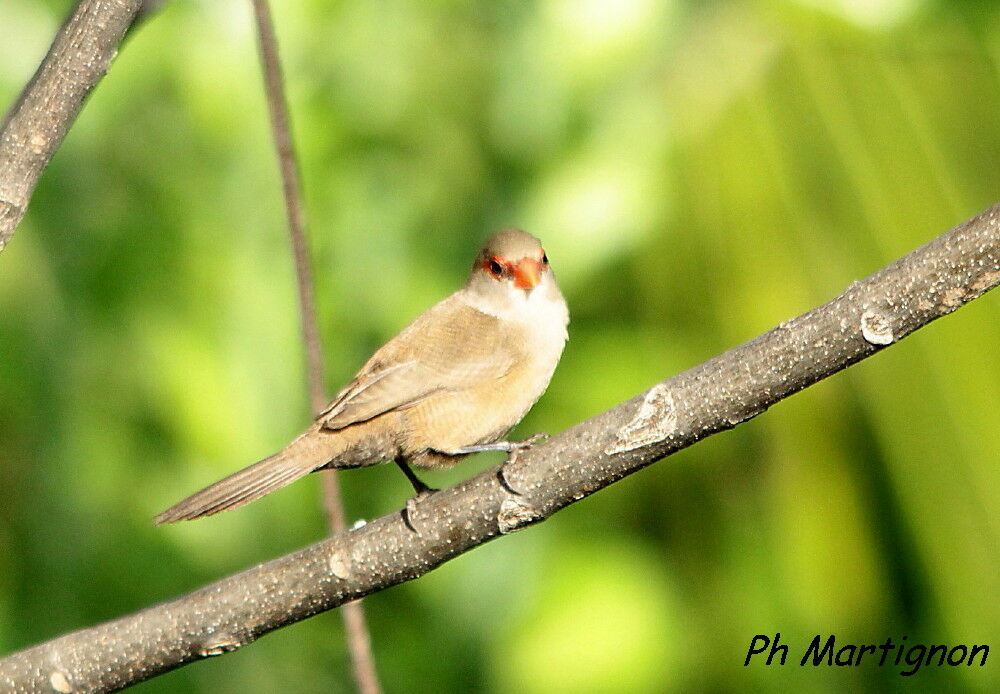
[518, 446]
[422, 492]
[410, 510]
[513, 449]
[418, 484]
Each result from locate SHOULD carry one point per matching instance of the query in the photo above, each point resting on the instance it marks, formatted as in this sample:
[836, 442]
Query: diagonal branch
[38, 121]
[735, 386]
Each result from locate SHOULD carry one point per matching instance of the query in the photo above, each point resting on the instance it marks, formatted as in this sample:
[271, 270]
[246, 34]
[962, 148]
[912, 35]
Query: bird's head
[510, 260]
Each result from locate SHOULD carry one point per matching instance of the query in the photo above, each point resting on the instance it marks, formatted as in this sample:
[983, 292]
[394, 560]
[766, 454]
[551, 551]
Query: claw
[508, 446]
[519, 446]
[514, 449]
[410, 511]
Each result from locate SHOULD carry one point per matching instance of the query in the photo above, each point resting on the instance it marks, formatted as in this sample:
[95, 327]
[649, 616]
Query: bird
[453, 382]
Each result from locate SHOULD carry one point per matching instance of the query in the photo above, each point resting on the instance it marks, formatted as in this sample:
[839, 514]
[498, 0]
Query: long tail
[309, 452]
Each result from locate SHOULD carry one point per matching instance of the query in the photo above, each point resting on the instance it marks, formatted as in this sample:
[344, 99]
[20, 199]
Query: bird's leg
[512, 447]
[419, 487]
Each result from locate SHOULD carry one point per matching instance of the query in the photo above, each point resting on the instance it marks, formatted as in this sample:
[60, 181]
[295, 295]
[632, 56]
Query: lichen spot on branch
[984, 283]
[340, 566]
[655, 421]
[875, 328]
[60, 683]
[219, 643]
[516, 514]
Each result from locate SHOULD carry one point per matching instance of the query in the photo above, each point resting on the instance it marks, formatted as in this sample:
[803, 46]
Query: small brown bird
[453, 382]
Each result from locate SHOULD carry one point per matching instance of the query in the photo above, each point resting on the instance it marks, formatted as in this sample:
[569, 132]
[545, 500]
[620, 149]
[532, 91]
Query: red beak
[527, 273]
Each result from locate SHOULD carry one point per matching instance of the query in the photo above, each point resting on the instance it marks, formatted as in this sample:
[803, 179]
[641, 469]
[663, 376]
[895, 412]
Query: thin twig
[358, 640]
[291, 187]
[717, 395]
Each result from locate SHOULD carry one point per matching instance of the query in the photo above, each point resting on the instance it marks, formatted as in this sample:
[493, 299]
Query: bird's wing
[450, 347]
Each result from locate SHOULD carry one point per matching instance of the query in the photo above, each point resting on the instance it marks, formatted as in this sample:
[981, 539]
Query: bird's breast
[540, 332]
[487, 410]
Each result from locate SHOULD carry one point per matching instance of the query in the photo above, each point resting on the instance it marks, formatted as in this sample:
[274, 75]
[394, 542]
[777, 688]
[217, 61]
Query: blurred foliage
[699, 172]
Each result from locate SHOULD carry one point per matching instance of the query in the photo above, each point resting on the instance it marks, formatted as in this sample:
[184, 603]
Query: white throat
[542, 309]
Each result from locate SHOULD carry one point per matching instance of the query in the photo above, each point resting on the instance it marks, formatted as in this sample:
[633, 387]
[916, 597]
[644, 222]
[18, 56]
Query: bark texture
[38, 121]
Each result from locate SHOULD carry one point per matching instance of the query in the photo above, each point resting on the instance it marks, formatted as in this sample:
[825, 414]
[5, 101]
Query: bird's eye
[496, 269]
[545, 259]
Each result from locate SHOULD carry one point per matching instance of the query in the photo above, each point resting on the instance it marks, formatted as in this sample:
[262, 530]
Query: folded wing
[450, 347]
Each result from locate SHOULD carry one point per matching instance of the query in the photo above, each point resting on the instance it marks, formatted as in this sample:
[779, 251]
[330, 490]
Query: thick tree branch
[38, 121]
[717, 395]
[355, 625]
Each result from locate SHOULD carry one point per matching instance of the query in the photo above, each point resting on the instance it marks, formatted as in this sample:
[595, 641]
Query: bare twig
[38, 121]
[281, 132]
[358, 641]
[731, 388]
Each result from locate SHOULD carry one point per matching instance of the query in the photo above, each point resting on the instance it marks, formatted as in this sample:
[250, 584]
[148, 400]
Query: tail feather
[295, 461]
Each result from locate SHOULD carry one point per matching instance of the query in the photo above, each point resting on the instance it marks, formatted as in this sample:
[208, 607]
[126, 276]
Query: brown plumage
[454, 381]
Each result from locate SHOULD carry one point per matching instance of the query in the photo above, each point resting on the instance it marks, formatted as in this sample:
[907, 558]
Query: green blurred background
[698, 171]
